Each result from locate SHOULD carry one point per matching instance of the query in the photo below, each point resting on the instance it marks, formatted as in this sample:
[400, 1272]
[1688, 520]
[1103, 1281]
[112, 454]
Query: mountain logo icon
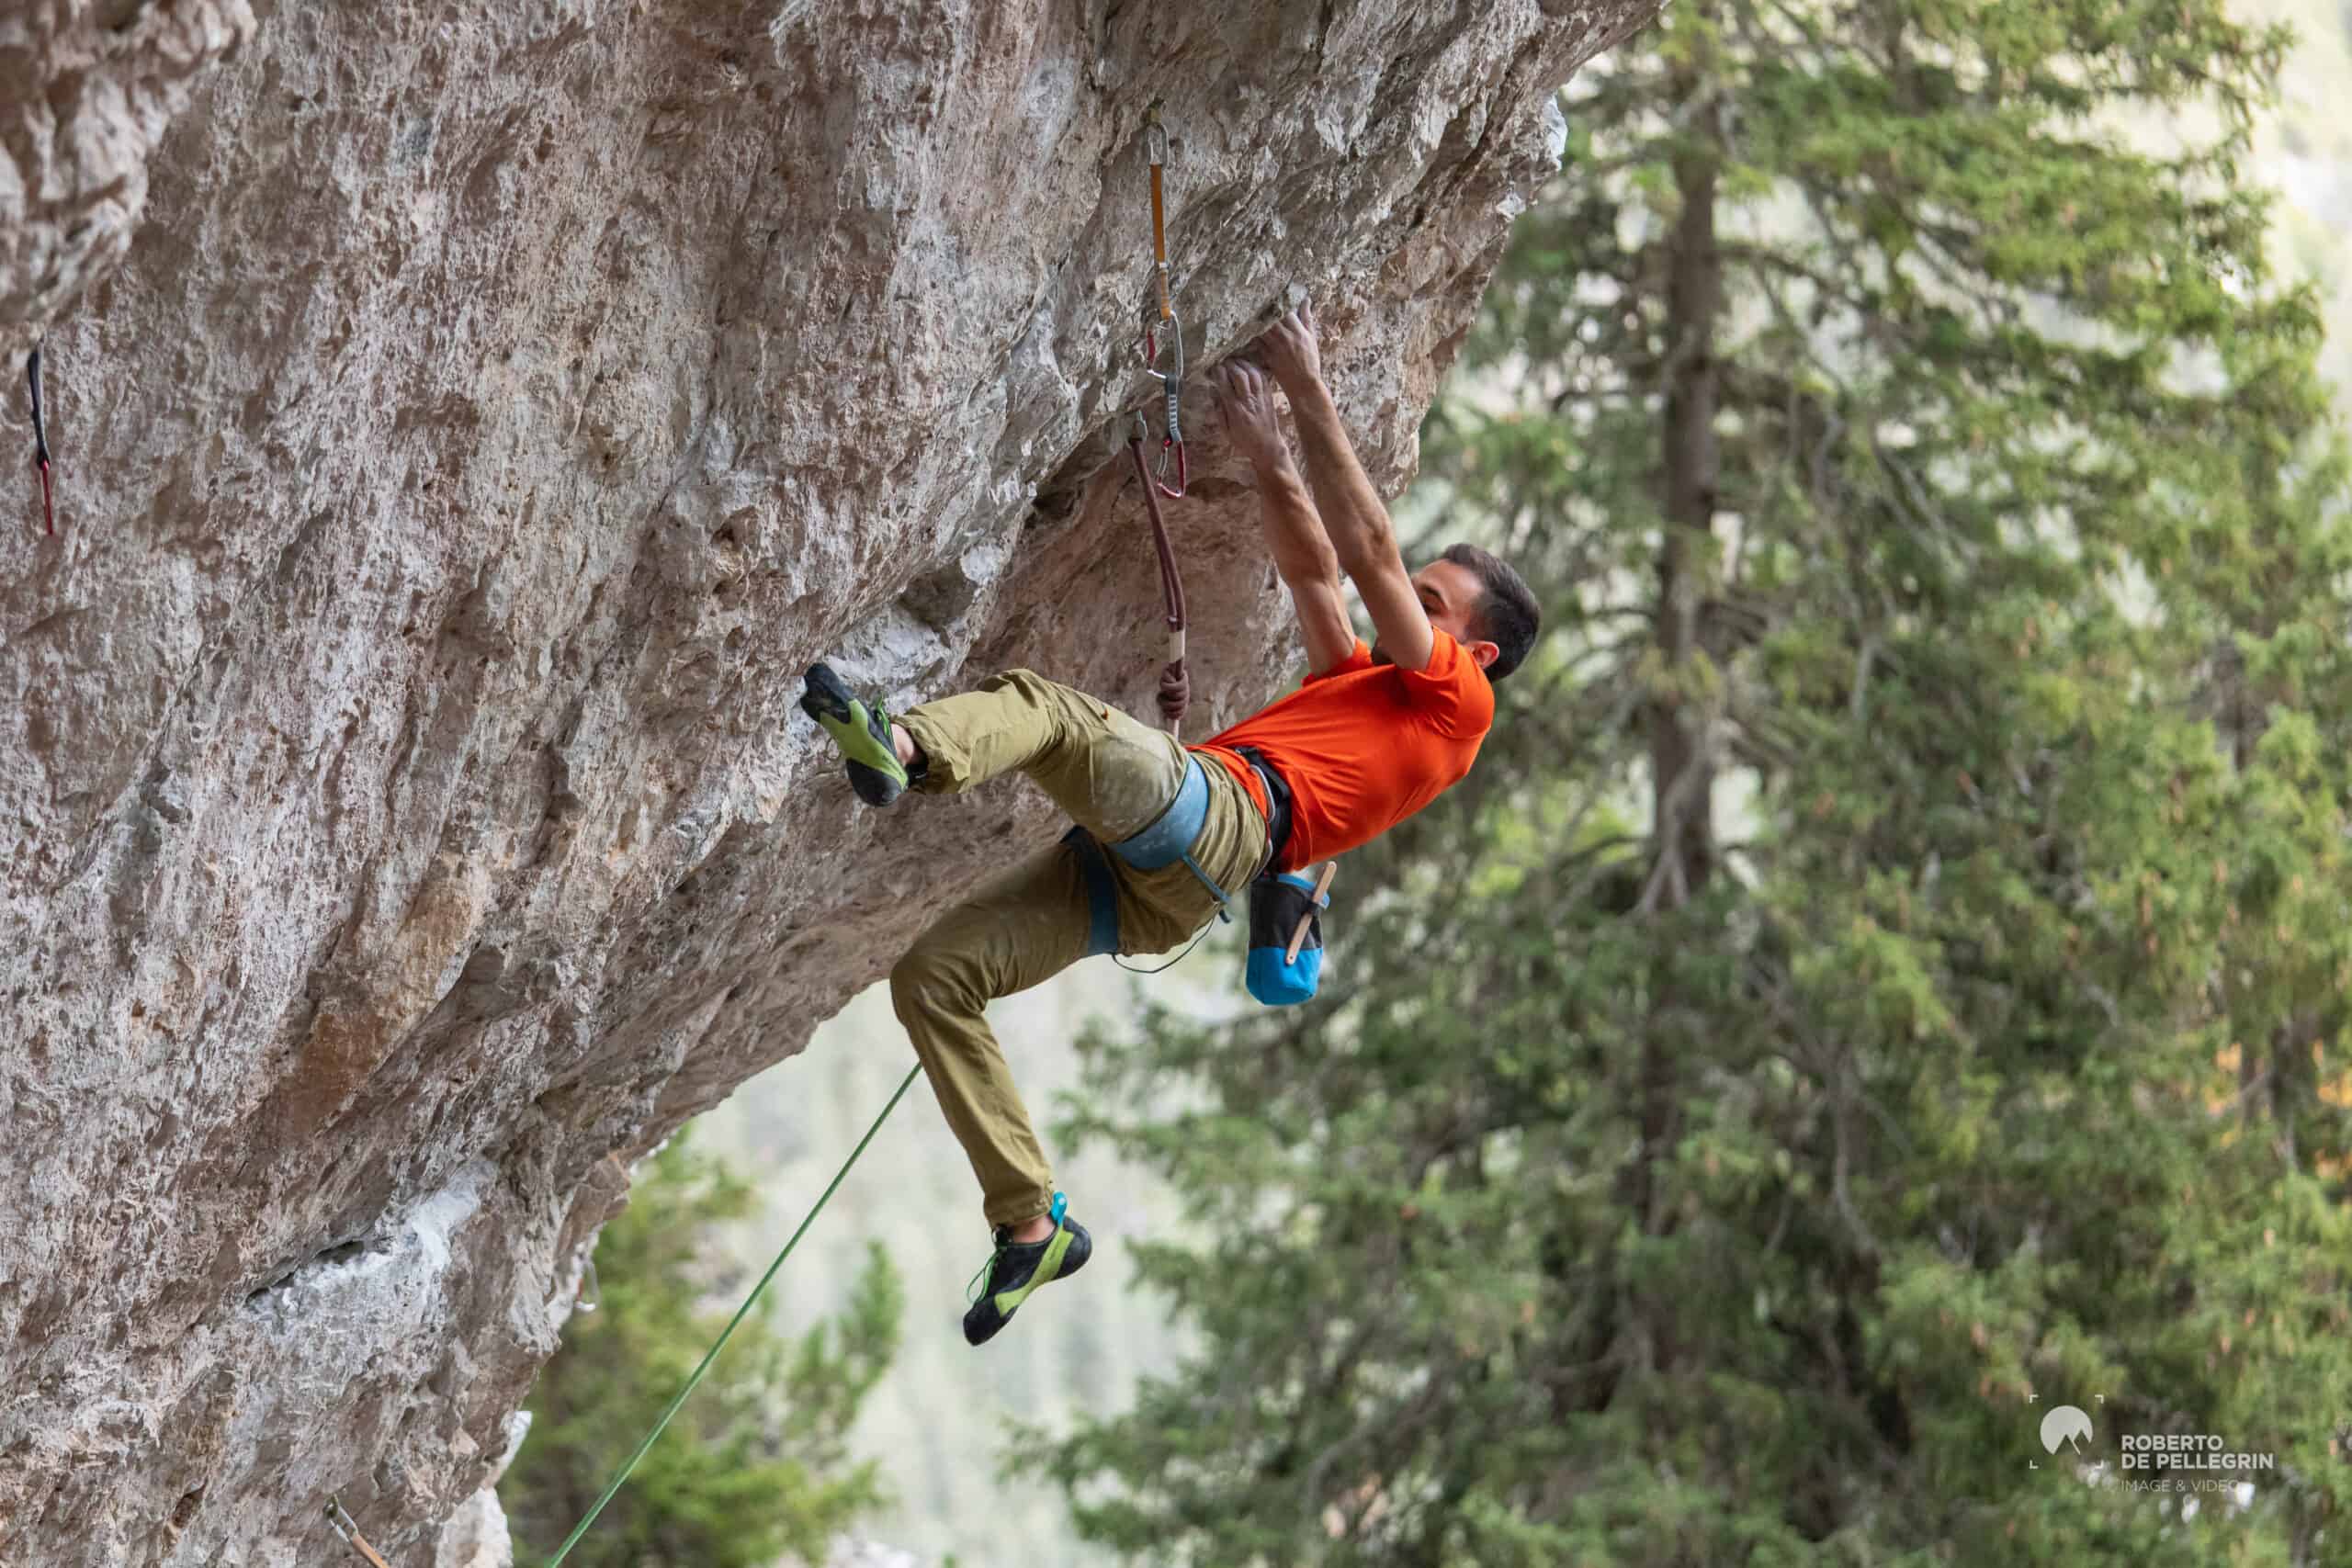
[2064, 1424]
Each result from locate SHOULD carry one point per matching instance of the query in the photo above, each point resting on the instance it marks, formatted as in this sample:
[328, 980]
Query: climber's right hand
[1288, 348]
[1245, 397]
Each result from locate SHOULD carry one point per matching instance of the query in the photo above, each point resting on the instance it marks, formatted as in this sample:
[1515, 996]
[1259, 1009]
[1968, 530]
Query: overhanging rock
[470, 421]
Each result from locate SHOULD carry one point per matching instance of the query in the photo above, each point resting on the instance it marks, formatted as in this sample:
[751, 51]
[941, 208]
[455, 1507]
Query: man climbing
[1372, 735]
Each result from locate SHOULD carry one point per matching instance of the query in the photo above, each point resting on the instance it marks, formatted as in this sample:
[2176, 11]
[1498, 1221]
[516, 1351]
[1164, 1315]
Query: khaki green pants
[1113, 775]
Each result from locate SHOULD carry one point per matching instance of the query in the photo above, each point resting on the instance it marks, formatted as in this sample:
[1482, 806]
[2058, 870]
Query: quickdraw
[1171, 381]
[1175, 686]
[40, 444]
[344, 1525]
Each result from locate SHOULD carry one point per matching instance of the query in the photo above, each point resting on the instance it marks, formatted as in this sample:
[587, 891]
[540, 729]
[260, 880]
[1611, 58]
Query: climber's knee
[909, 980]
[928, 983]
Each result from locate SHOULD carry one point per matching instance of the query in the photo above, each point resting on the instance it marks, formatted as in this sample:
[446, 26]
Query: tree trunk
[1682, 777]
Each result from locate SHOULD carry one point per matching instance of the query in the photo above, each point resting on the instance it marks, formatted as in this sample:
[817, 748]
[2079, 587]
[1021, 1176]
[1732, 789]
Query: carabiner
[1167, 446]
[344, 1525]
[1171, 449]
[1172, 380]
[1172, 386]
[1150, 339]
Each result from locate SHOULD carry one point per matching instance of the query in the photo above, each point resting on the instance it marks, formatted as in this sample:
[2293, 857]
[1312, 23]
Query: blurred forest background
[1885, 978]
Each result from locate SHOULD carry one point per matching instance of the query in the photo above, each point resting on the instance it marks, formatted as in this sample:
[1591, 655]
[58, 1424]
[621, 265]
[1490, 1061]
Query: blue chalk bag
[1278, 901]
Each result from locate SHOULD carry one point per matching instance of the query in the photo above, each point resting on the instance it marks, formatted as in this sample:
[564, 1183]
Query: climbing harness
[345, 1526]
[708, 1355]
[1175, 686]
[41, 442]
[1172, 380]
[1168, 840]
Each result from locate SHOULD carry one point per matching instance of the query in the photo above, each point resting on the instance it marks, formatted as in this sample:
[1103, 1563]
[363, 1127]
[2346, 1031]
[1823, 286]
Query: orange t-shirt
[1364, 746]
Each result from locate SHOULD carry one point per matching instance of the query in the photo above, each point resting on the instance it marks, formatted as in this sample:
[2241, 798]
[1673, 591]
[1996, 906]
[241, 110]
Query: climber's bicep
[1390, 597]
[1323, 622]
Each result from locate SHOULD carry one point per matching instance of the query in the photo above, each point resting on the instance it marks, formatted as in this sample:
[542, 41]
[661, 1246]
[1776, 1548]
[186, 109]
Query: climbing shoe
[863, 733]
[1018, 1268]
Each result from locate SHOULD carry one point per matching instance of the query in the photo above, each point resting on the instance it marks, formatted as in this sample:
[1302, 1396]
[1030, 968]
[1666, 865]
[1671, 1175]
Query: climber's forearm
[1354, 518]
[1295, 535]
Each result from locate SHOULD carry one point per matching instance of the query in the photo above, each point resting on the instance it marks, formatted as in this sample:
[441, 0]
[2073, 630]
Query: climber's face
[1449, 592]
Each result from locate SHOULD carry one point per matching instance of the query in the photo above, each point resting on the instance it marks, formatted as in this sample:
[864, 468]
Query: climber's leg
[1028, 924]
[1112, 774]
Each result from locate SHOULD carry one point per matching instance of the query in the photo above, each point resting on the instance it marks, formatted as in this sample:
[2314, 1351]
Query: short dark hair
[1505, 614]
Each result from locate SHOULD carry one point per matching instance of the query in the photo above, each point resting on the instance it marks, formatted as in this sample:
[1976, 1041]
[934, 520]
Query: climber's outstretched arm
[1361, 532]
[1294, 536]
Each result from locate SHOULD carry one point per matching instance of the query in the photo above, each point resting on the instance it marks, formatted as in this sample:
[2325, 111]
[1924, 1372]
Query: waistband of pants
[1278, 797]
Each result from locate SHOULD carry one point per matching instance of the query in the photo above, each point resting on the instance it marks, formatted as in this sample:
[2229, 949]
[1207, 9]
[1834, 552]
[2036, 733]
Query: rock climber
[1372, 735]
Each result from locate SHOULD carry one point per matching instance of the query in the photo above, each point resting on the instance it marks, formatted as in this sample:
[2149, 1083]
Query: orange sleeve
[1452, 692]
[1358, 658]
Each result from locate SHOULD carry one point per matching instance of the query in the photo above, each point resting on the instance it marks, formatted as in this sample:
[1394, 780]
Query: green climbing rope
[581, 1528]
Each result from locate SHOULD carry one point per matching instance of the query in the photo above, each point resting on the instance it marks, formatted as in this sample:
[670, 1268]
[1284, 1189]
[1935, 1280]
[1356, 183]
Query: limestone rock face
[468, 421]
[475, 1536]
[88, 88]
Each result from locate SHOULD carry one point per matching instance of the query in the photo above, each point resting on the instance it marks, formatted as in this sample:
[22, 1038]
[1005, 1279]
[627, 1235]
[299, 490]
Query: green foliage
[1886, 976]
[756, 1464]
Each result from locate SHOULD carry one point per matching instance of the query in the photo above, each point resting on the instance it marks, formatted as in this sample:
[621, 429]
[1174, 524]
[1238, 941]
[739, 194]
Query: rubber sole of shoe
[838, 712]
[823, 696]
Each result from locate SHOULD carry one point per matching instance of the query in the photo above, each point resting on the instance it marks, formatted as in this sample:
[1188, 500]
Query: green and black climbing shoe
[1018, 1268]
[863, 733]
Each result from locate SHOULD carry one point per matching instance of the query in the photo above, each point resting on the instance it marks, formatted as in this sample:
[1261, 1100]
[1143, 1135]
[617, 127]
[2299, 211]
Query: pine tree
[756, 1464]
[1880, 981]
